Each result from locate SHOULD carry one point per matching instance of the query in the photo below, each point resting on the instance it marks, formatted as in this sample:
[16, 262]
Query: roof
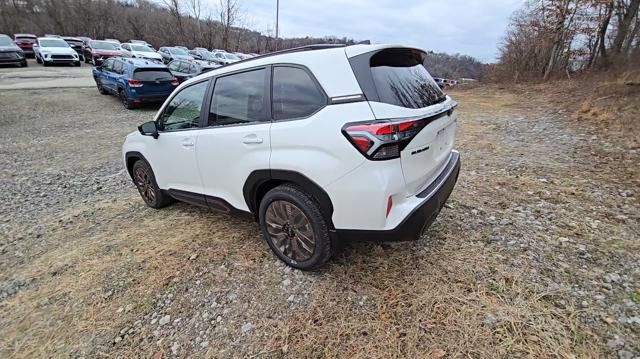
[25, 35]
[328, 62]
[137, 62]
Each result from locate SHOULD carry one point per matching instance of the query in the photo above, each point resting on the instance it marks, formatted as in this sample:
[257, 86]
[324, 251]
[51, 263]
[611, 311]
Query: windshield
[178, 51]
[104, 45]
[53, 43]
[5, 41]
[140, 48]
[231, 57]
[206, 55]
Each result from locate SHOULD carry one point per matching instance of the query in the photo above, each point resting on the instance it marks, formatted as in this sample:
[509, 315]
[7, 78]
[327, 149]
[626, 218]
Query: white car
[140, 51]
[52, 50]
[225, 58]
[318, 144]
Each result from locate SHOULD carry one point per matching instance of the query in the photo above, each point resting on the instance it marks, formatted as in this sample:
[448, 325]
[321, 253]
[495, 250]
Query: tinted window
[107, 64]
[184, 67]
[295, 94]
[401, 79]
[184, 109]
[174, 65]
[238, 98]
[117, 67]
[152, 75]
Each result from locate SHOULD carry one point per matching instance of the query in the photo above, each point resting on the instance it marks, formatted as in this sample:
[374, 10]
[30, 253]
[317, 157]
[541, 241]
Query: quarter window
[238, 98]
[183, 112]
[295, 94]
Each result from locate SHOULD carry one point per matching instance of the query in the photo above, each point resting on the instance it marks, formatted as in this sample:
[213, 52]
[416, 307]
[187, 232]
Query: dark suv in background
[134, 80]
[96, 51]
[75, 44]
[10, 53]
[25, 42]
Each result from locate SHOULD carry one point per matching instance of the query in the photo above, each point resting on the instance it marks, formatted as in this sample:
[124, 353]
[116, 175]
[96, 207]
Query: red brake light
[174, 81]
[134, 83]
[362, 143]
[385, 140]
[383, 128]
[389, 205]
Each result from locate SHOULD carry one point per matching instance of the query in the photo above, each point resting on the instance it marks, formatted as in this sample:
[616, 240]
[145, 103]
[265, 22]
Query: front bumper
[411, 228]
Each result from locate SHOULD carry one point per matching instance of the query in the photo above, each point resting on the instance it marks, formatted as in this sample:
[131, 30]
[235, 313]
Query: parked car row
[54, 49]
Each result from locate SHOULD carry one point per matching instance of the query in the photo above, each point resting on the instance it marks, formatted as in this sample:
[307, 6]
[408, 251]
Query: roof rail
[286, 51]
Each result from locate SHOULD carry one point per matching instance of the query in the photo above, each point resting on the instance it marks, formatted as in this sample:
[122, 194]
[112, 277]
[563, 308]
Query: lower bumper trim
[420, 218]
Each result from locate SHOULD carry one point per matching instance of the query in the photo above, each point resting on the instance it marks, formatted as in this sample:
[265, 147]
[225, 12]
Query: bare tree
[628, 13]
[229, 13]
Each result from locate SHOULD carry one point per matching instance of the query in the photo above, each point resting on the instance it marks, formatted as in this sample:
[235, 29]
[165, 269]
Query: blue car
[134, 81]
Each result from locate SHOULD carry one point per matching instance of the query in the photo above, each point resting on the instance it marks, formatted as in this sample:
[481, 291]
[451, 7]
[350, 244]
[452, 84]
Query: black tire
[38, 61]
[289, 194]
[24, 63]
[125, 99]
[86, 60]
[145, 182]
[77, 63]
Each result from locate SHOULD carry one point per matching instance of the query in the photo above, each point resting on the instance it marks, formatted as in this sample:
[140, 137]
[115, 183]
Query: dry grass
[428, 299]
[77, 287]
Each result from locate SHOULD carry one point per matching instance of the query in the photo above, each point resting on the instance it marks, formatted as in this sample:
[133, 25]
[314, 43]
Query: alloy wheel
[290, 230]
[145, 185]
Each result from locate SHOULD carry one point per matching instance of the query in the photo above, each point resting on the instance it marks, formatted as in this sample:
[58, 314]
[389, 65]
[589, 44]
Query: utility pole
[277, 16]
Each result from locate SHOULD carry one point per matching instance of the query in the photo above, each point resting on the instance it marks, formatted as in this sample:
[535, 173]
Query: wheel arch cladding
[131, 158]
[260, 182]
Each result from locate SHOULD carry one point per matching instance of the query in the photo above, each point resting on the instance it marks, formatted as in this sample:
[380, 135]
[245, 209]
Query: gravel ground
[535, 255]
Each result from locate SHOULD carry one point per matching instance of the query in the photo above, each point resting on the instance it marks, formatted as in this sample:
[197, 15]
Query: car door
[105, 74]
[235, 139]
[173, 154]
[112, 74]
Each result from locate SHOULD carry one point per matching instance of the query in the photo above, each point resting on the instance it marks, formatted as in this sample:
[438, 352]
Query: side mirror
[149, 129]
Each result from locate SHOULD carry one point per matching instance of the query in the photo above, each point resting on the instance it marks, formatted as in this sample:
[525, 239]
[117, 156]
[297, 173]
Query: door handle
[187, 142]
[251, 139]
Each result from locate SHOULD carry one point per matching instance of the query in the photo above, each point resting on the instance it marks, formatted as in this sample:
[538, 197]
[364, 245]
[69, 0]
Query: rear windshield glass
[401, 79]
[152, 75]
[104, 45]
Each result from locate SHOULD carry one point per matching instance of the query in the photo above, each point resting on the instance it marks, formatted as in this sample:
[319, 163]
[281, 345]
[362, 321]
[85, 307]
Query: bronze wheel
[144, 184]
[290, 230]
[145, 181]
[294, 228]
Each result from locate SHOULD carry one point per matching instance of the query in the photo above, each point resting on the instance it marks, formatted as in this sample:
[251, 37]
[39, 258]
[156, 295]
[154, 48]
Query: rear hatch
[25, 42]
[401, 91]
[155, 81]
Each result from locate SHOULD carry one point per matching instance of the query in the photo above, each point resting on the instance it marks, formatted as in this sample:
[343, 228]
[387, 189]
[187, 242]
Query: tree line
[560, 37]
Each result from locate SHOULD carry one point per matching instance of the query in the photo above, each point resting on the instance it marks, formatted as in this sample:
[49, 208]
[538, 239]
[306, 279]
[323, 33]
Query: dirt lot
[535, 255]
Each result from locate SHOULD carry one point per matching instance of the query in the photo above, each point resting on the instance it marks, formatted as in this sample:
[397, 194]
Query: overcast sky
[473, 27]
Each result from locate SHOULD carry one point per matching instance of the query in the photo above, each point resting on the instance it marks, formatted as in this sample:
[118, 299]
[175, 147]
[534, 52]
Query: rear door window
[239, 98]
[152, 75]
[184, 67]
[295, 94]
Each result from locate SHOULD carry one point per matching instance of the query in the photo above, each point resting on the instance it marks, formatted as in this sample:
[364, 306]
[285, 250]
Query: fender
[260, 182]
[130, 158]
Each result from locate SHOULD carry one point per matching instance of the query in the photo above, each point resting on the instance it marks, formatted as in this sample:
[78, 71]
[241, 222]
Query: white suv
[320, 144]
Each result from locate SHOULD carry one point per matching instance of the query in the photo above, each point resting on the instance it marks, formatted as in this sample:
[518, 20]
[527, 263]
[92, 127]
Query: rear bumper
[411, 228]
[151, 98]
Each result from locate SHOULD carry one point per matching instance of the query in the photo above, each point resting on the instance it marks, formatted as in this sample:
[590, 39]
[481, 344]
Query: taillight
[134, 83]
[174, 81]
[383, 140]
[389, 205]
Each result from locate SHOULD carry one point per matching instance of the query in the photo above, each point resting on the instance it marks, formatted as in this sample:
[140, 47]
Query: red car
[96, 51]
[25, 42]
